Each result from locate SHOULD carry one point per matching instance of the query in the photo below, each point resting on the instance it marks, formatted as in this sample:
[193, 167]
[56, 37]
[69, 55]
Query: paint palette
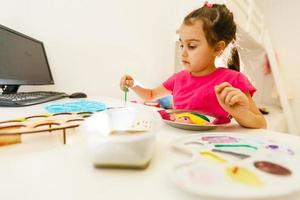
[203, 125]
[237, 166]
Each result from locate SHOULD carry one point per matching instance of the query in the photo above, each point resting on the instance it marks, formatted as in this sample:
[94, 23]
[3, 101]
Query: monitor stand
[10, 89]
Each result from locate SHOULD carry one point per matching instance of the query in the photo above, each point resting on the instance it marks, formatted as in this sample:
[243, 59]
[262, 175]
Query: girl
[219, 92]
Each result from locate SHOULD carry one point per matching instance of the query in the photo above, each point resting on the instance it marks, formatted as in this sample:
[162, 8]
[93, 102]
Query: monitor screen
[23, 60]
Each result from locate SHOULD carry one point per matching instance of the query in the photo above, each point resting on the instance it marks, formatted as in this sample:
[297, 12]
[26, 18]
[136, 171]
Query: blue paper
[76, 106]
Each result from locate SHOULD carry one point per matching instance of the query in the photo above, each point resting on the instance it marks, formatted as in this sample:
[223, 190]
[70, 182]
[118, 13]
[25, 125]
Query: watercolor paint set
[237, 166]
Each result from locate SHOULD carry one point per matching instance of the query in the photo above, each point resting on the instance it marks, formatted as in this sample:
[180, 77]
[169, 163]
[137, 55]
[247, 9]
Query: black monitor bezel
[8, 82]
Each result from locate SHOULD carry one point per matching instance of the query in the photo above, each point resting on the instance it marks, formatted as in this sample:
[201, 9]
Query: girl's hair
[218, 25]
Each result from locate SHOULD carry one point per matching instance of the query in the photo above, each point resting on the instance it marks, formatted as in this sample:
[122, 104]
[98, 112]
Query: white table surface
[42, 167]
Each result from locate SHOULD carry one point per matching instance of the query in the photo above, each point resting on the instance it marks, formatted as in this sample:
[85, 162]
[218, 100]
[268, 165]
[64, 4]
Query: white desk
[41, 167]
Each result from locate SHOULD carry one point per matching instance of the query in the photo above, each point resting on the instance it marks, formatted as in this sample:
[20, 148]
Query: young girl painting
[221, 92]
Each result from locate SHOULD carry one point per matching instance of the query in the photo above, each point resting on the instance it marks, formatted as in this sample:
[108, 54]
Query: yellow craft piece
[243, 176]
[194, 118]
[213, 156]
[21, 119]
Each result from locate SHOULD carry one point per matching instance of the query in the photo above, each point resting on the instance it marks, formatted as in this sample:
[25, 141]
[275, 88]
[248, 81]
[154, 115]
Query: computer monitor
[23, 61]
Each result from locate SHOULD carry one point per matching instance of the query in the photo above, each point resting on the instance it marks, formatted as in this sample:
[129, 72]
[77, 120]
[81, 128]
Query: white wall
[282, 20]
[90, 44]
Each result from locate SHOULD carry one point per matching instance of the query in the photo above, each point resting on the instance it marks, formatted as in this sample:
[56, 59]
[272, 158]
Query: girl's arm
[145, 93]
[151, 94]
[240, 106]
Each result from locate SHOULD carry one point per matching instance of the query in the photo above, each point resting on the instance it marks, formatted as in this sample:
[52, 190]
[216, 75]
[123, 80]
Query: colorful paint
[191, 118]
[212, 156]
[238, 155]
[243, 176]
[236, 145]
[194, 143]
[188, 120]
[272, 168]
[219, 139]
[279, 149]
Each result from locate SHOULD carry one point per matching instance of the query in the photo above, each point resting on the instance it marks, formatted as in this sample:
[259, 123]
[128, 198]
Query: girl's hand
[126, 82]
[233, 100]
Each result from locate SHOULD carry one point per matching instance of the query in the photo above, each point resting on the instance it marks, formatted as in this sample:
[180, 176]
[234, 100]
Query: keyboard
[29, 98]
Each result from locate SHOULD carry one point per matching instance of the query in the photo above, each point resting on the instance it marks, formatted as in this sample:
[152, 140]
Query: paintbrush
[125, 96]
[126, 90]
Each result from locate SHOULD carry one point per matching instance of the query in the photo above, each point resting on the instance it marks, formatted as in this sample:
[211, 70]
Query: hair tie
[209, 5]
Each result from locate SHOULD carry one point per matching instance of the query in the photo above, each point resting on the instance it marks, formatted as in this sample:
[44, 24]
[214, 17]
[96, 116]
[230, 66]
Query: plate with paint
[188, 120]
[237, 166]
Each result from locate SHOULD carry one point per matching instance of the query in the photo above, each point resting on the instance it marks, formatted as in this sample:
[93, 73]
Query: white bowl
[121, 118]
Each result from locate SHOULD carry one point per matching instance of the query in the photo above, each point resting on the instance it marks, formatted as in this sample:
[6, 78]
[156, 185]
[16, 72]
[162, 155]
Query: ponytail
[234, 61]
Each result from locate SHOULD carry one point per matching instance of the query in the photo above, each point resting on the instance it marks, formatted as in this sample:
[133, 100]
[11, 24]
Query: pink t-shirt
[197, 92]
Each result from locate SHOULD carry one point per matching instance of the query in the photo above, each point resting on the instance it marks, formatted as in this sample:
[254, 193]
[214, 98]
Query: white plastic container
[122, 137]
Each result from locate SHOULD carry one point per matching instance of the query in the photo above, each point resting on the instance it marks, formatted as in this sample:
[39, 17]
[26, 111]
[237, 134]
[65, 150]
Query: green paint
[202, 116]
[126, 89]
[126, 94]
[236, 145]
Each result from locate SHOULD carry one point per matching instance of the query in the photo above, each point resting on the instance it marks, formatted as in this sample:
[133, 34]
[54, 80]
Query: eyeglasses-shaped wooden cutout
[43, 123]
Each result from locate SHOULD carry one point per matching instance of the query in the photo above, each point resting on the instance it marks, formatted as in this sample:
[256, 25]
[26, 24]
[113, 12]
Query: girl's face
[197, 55]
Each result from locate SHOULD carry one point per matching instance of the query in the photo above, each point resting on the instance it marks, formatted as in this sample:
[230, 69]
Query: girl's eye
[192, 47]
